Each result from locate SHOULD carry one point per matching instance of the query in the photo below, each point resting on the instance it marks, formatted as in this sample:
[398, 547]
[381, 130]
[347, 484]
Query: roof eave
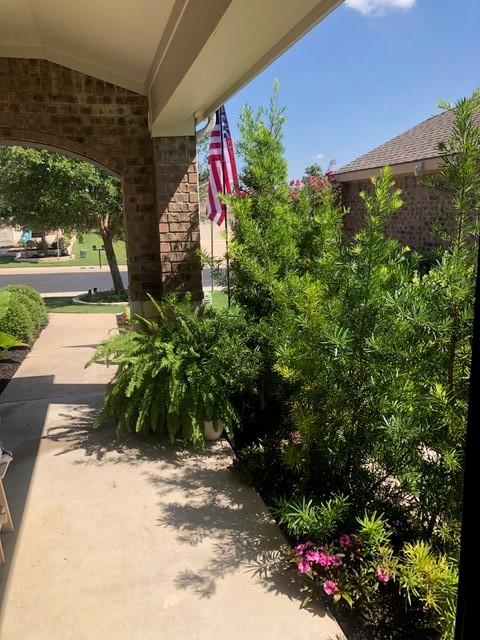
[430, 165]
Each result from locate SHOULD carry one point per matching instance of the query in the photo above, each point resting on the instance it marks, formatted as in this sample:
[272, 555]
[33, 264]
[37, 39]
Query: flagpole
[211, 255]
[224, 207]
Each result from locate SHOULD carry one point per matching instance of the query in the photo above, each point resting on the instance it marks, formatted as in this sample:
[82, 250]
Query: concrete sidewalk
[123, 540]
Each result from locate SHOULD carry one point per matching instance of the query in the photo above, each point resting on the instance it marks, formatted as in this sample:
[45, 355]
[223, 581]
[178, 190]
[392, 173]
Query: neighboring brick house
[412, 155]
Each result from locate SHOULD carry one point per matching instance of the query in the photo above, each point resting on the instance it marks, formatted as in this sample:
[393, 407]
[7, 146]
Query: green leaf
[8, 341]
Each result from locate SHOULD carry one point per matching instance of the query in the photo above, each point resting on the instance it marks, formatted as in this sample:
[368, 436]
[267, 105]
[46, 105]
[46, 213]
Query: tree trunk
[44, 244]
[111, 258]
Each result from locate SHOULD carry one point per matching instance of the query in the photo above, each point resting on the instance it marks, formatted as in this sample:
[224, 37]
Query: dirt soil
[9, 362]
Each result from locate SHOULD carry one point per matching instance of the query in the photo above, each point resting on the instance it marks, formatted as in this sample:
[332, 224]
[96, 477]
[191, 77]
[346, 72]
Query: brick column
[176, 182]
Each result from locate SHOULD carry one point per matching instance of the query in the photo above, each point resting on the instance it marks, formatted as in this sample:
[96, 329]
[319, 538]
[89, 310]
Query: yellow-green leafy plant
[432, 580]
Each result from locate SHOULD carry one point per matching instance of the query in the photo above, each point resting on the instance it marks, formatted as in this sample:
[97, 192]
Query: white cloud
[318, 157]
[378, 7]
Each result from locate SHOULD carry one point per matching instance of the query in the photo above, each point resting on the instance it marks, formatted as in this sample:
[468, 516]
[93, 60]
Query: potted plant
[177, 374]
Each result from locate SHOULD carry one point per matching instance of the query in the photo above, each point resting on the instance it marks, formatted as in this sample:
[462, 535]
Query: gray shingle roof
[418, 143]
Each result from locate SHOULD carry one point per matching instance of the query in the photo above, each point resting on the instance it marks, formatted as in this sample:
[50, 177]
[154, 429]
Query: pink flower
[301, 548]
[382, 575]
[312, 556]
[335, 561]
[298, 183]
[326, 560]
[323, 559]
[330, 177]
[330, 587]
[303, 565]
[345, 541]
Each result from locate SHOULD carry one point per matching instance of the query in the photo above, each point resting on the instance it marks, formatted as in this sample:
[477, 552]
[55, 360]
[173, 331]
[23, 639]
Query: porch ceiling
[188, 56]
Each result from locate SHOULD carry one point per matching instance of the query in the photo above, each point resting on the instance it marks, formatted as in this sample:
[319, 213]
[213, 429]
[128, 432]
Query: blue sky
[370, 70]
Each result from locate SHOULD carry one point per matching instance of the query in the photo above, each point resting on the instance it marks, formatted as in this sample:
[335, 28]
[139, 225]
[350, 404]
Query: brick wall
[411, 225]
[52, 106]
[177, 205]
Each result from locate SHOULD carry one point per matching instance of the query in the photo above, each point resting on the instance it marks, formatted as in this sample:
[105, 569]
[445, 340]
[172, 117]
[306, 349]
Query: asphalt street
[72, 281]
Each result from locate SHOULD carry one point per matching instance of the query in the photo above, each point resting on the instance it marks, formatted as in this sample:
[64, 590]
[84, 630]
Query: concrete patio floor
[121, 540]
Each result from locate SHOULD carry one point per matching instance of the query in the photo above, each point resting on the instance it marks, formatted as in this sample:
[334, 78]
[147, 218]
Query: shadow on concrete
[221, 508]
[24, 408]
[216, 505]
[198, 494]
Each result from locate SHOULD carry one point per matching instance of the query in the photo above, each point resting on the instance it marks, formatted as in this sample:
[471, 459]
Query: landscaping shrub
[105, 296]
[7, 340]
[346, 362]
[18, 322]
[179, 371]
[365, 350]
[33, 301]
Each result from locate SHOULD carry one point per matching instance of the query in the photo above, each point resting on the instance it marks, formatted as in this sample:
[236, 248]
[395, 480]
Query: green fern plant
[178, 371]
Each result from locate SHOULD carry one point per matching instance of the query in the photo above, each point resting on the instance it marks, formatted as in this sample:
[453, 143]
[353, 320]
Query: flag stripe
[222, 167]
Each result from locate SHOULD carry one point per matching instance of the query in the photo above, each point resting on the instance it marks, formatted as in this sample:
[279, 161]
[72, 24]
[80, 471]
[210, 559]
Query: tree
[44, 190]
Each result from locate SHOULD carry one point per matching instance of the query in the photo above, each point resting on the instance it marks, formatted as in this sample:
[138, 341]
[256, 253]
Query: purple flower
[330, 587]
[382, 575]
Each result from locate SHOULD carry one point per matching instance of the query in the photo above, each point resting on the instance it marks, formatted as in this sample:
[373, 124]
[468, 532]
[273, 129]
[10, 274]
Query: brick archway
[45, 104]
[22, 137]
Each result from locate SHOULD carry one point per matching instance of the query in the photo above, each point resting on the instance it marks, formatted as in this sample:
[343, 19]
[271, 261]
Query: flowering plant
[348, 568]
[361, 569]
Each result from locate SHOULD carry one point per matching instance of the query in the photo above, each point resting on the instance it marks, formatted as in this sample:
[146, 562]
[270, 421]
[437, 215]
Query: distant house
[412, 155]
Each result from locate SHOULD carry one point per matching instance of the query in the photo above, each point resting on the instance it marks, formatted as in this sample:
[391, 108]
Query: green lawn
[83, 243]
[219, 299]
[65, 305]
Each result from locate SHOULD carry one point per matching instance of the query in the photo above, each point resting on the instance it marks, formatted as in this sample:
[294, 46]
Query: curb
[77, 300]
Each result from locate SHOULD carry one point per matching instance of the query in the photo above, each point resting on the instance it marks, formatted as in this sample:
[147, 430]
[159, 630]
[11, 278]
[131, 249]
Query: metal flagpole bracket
[205, 131]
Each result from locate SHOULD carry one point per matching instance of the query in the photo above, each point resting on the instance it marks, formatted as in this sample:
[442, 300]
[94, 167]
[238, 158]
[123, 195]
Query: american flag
[222, 170]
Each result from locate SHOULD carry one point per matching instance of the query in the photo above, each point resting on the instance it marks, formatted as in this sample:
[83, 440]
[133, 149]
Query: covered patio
[124, 86]
[129, 540]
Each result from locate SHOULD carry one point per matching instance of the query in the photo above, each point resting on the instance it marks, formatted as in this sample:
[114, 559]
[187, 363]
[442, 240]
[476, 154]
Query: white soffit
[112, 41]
[249, 36]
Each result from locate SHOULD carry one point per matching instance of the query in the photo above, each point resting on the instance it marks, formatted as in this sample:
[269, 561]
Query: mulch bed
[9, 363]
